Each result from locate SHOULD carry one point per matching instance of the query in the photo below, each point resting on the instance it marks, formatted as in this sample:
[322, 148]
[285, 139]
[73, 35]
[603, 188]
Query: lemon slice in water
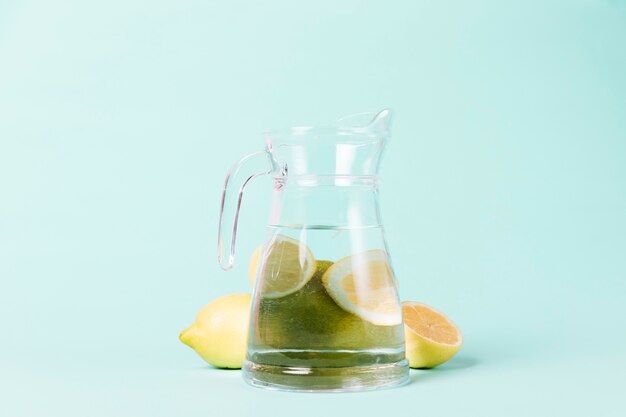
[363, 284]
[288, 265]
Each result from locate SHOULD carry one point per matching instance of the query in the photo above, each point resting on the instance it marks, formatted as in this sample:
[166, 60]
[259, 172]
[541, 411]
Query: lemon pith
[363, 284]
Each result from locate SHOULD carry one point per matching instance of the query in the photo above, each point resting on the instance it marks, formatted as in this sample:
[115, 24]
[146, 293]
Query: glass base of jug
[314, 379]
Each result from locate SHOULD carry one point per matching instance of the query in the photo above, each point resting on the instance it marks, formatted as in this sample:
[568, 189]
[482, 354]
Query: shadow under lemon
[446, 369]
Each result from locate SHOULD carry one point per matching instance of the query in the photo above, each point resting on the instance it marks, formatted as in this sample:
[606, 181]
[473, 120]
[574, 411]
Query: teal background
[503, 193]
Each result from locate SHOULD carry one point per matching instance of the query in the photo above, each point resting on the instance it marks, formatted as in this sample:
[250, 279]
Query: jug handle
[241, 173]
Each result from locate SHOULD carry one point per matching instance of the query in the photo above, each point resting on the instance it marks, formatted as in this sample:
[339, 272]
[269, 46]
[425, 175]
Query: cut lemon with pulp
[288, 265]
[363, 284]
[431, 338]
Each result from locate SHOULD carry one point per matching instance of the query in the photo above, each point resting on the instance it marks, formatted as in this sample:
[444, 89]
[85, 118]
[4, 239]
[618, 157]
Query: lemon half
[287, 266]
[363, 284]
[431, 338]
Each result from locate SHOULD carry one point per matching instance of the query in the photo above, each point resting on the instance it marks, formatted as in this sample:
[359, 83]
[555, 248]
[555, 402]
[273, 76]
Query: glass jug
[325, 311]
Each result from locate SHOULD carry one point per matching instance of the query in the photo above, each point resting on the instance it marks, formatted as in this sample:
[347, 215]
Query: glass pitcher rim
[377, 128]
[322, 132]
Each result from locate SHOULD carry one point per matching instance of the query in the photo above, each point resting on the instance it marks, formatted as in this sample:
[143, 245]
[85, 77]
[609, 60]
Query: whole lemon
[220, 331]
[253, 265]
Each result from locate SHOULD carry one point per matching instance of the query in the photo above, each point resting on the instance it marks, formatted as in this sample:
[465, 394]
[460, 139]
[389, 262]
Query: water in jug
[325, 310]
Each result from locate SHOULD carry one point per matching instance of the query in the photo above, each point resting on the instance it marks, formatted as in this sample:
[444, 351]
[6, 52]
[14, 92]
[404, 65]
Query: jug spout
[378, 124]
[381, 123]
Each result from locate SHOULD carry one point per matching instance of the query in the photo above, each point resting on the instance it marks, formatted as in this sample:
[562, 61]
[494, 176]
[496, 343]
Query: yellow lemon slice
[431, 338]
[363, 284]
[288, 264]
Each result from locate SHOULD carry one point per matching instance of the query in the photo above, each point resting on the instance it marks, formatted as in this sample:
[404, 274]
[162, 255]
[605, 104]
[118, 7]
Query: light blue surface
[504, 193]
